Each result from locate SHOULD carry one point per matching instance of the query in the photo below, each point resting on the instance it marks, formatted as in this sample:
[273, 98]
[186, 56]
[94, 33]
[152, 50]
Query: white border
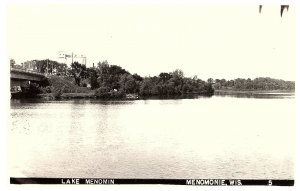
[4, 92]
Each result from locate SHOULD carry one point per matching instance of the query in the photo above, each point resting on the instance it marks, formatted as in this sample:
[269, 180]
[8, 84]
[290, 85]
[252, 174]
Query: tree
[137, 77]
[103, 73]
[165, 76]
[78, 71]
[128, 84]
[178, 73]
[109, 75]
[12, 63]
[92, 75]
[210, 80]
[41, 66]
[146, 86]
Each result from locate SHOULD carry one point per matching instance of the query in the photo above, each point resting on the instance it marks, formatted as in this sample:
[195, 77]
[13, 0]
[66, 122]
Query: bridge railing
[26, 70]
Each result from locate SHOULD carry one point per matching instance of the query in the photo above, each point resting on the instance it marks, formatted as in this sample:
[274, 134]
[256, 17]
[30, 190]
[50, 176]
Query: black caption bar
[192, 182]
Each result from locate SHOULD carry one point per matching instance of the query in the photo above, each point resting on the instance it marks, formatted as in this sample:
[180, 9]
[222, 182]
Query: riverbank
[91, 95]
[64, 87]
[67, 96]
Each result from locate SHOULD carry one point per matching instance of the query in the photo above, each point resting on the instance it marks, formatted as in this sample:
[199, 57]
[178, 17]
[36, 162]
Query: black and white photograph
[187, 94]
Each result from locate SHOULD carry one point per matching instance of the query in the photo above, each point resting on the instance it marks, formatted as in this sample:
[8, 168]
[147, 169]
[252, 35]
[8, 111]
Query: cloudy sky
[218, 41]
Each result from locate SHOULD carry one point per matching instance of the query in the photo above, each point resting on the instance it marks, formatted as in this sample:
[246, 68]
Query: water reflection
[68, 101]
[217, 137]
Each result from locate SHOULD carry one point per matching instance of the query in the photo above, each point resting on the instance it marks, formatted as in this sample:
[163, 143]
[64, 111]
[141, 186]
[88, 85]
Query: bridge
[23, 77]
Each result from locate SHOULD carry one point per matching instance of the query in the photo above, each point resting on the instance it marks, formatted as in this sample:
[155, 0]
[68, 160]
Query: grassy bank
[66, 84]
[63, 87]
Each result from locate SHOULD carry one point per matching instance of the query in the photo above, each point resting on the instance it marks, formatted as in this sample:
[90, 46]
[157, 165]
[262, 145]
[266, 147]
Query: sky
[207, 40]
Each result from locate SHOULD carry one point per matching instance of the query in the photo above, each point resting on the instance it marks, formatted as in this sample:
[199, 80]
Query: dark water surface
[223, 136]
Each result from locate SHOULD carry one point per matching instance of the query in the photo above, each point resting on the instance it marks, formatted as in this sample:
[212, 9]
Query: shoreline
[91, 95]
[253, 91]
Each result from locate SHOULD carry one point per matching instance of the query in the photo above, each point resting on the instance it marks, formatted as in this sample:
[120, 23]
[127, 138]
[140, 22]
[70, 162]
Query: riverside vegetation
[113, 82]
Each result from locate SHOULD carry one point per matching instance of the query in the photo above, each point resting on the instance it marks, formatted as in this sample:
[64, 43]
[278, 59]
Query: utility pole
[47, 66]
[83, 59]
[66, 64]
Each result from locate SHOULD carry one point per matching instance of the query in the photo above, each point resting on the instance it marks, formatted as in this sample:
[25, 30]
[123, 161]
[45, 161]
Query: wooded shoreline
[113, 82]
[253, 91]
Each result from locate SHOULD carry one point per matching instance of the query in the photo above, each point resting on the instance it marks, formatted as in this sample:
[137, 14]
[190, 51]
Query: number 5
[270, 182]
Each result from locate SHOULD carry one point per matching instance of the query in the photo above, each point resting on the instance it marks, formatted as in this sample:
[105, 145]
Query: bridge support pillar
[21, 83]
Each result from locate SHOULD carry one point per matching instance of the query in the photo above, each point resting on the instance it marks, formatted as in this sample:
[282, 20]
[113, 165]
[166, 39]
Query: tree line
[42, 66]
[113, 80]
[261, 83]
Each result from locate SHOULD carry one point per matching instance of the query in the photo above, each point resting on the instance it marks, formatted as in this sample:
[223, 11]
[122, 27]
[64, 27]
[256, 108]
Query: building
[68, 58]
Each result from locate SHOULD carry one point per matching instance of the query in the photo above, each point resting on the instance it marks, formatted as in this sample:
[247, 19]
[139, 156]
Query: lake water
[224, 136]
